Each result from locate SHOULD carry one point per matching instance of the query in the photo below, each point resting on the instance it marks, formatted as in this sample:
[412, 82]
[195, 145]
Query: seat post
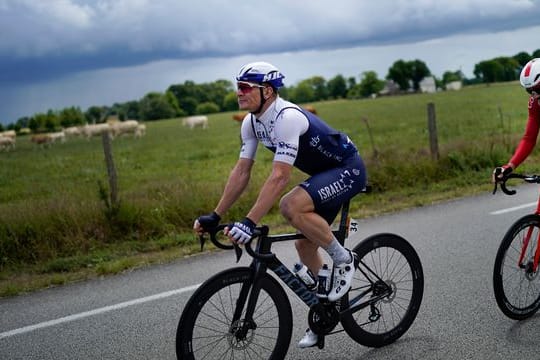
[343, 222]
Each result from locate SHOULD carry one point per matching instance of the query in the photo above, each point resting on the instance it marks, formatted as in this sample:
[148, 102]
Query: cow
[124, 127]
[239, 116]
[90, 130]
[311, 109]
[194, 121]
[57, 136]
[7, 143]
[41, 139]
[9, 133]
[72, 131]
[141, 131]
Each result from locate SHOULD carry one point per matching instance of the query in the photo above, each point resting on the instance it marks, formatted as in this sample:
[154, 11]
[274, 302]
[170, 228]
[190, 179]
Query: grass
[55, 228]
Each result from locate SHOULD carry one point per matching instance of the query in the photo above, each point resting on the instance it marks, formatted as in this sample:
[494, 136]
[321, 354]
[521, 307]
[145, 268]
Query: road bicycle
[515, 274]
[245, 313]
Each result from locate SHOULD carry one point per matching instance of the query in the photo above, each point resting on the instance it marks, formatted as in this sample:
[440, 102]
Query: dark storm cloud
[50, 39]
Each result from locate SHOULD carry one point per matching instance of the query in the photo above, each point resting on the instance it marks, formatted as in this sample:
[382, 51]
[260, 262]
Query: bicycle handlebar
[533, 179]
[258, 232]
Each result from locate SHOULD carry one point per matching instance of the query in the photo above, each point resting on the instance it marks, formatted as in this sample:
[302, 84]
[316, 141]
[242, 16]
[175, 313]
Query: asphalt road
[134, 315]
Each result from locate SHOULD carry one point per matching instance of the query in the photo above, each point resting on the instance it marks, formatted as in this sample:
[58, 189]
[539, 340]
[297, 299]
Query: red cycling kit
[527, 143]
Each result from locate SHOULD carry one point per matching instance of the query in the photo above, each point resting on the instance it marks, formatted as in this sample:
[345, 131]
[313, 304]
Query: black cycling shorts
[331, 188]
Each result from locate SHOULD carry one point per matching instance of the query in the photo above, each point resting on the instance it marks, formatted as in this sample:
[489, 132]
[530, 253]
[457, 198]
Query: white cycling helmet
[261, 72]
[530, 75]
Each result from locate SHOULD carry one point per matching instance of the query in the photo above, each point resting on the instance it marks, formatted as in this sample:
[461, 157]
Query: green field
[54, 222]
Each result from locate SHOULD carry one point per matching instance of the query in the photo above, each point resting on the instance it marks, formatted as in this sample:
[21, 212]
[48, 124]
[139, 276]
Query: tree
[337, 87]
[207, 108]
[488, 71]
[522, 58]
[303, 92]
[95, 114]
[536, 54]
[450, 76]
[400, 73]
[155, 106]
[418, 71]
[71, 116]
[370, 83]
[230, 102]
[498, 69]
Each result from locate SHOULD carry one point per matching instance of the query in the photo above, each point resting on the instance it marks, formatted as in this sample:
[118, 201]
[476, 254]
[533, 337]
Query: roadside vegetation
[57, 225]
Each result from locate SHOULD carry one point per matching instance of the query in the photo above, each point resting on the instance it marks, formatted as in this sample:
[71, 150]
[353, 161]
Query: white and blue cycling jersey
[300, 138]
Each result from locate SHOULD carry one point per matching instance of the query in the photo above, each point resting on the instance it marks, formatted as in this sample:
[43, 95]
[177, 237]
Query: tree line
[191, 98]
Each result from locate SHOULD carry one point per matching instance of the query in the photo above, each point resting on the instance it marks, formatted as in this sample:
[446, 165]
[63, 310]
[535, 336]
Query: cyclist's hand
[500, 172]
[242, 231]
[206, 222]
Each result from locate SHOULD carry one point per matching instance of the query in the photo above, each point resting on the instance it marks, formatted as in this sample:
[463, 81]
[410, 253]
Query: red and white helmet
[530, 75]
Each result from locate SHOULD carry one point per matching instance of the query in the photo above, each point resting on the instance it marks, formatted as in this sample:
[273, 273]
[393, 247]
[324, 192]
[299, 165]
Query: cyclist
[300, 139]
[530, 80]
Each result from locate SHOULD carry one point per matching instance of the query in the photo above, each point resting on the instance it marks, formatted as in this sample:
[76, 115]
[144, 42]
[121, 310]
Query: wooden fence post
[432, 127]
[111, 170]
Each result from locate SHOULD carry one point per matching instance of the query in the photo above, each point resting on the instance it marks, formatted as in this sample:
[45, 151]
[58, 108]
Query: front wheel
[515, 280]
[386, 293]
[214, 325]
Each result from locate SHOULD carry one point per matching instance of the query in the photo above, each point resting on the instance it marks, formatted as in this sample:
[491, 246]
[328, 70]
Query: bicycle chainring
[323, 325]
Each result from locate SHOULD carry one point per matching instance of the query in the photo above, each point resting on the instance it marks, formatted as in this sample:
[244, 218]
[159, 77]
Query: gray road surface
[134, 315]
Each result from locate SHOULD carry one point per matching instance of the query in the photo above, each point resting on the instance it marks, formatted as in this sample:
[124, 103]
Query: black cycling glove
[210, 221]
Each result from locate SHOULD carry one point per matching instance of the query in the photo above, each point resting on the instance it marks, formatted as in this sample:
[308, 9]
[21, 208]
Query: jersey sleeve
[249, 141]
[290, 125]
[528, 141]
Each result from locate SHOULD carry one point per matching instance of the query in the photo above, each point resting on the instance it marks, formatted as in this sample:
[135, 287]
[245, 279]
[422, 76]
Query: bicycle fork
[534, 266]
[248, 293]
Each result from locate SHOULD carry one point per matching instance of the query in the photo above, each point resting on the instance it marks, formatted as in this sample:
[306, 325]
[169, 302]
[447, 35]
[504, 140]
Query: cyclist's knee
[286, 207]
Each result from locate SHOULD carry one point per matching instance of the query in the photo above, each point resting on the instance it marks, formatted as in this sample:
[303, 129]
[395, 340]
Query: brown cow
[311, 109]
[239, 116]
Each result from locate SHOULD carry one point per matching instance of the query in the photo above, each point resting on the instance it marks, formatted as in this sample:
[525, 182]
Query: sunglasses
[246, 87]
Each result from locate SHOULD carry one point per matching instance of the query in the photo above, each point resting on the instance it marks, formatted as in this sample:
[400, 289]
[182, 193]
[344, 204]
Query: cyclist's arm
[241, 173]
[528, 142]
[236, 184]
[288, 128]
[271, 190]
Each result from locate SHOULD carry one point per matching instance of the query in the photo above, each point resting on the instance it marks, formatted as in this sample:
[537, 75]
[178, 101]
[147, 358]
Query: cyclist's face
[249, 95]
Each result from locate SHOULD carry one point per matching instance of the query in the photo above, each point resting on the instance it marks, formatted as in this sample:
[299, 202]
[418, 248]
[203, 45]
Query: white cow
[9, 133]
[7, 143]
[90, 130]
[72, 131]
[57, 136]
[124, 127]
[141, 131]
[194, 121]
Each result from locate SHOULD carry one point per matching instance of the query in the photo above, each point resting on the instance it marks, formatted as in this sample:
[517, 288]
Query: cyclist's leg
[298, 208]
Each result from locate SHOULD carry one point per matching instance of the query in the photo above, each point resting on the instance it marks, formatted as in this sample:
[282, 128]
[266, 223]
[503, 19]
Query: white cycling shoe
[343, 276]
[310, 339]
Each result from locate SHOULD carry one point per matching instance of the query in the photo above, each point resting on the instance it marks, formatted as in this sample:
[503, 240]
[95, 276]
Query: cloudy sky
[59, 53]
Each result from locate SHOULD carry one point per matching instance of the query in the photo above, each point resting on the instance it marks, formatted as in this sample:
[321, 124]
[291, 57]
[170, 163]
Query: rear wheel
[208, 329]
[390, 282]
[516, 283]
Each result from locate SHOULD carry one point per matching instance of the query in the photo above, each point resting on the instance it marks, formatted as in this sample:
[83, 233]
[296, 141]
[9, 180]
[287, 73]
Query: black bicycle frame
[264, 259]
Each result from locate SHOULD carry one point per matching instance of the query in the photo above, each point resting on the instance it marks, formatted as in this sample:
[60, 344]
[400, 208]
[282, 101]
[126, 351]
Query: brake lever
[202, 240]
[237, 251]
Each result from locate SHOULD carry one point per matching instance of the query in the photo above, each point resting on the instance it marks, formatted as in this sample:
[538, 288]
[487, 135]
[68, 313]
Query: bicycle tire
[396, 262]
[205, 327]
[517, 289]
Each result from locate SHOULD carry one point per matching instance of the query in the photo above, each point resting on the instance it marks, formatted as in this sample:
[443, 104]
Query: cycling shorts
[331, 188]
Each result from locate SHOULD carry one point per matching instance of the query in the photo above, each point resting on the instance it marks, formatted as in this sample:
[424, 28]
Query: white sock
[338, 253]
